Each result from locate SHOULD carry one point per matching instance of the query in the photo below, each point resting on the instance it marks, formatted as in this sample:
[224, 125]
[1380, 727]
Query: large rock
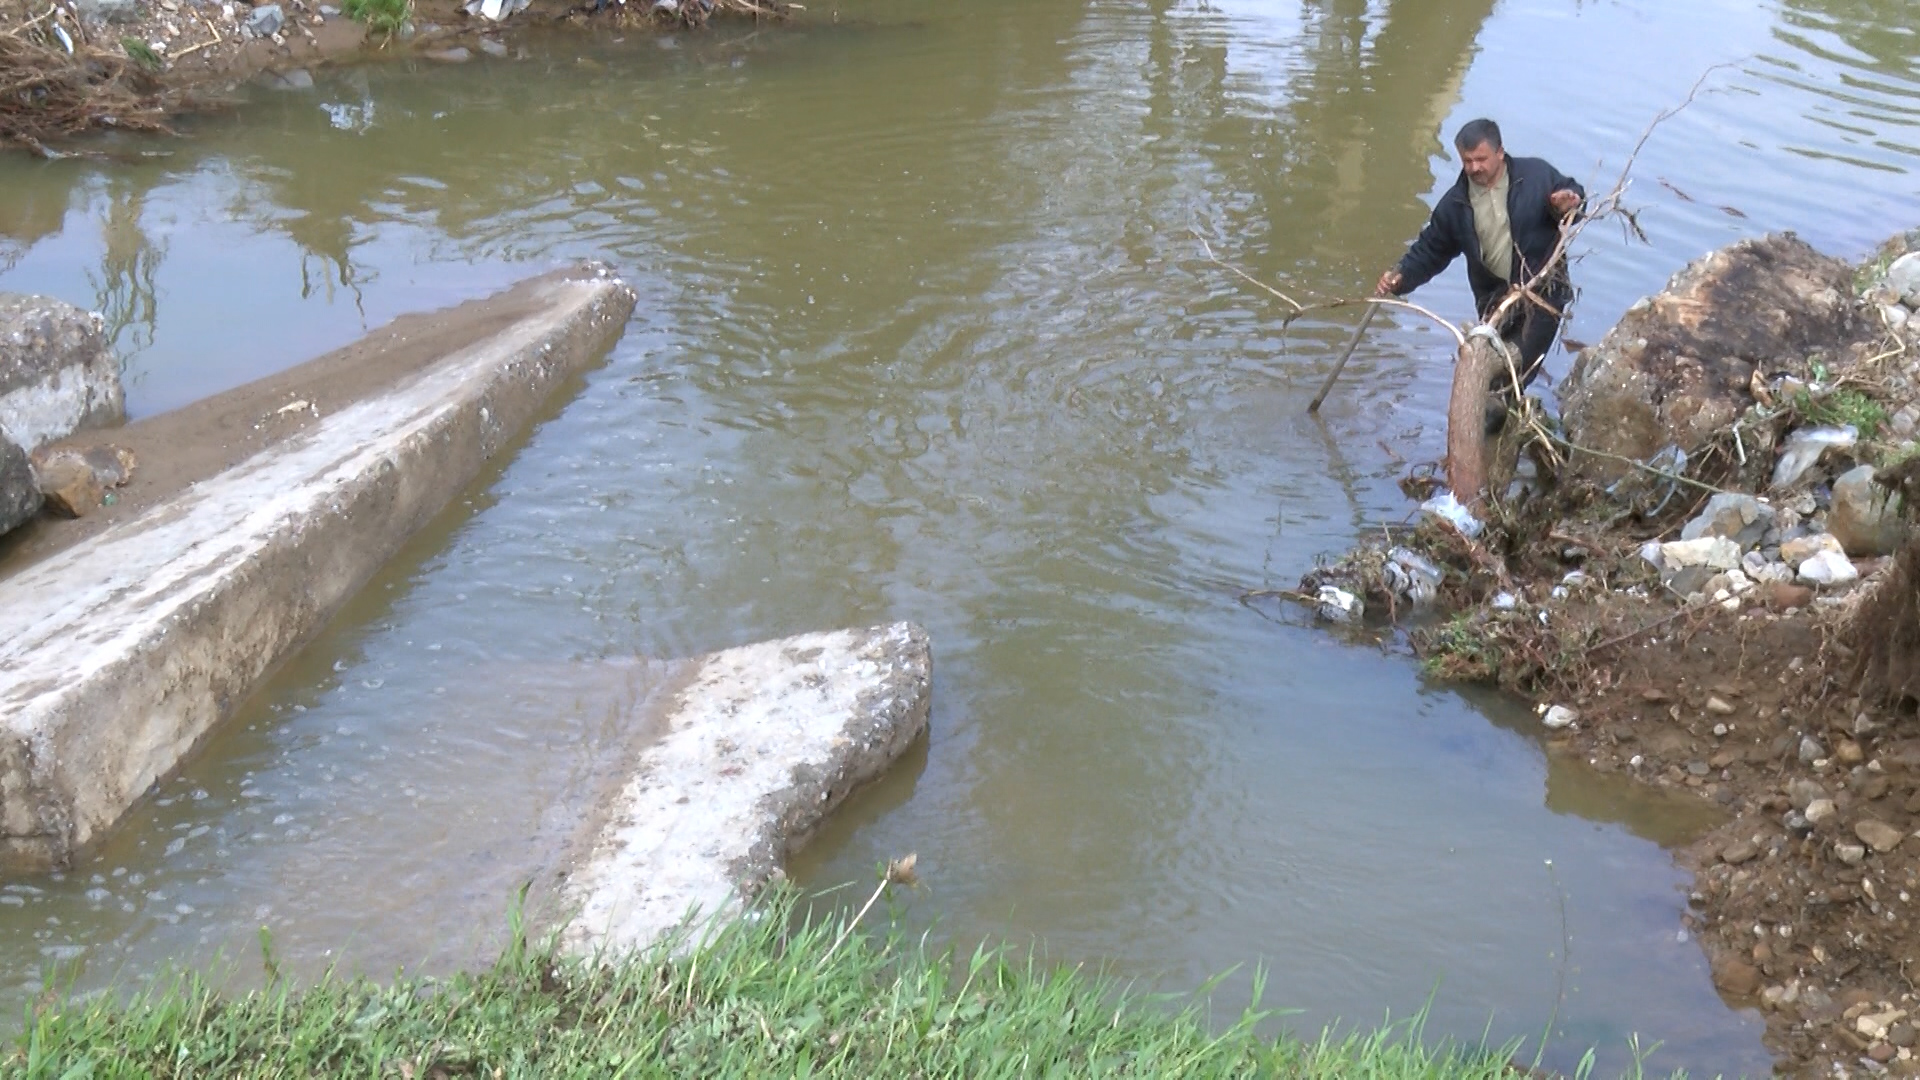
[57, 374]
[19, 493]
[1865, 517]
[1677, 367]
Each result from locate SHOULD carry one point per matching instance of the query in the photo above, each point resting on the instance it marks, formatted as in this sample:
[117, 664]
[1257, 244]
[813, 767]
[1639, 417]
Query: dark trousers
[1529, 330]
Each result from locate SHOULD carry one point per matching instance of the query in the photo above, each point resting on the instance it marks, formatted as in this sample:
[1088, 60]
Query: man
[1504, 214]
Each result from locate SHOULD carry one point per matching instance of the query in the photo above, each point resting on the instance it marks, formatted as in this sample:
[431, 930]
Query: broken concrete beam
[119, 652]
[57, 373]
[758, 747]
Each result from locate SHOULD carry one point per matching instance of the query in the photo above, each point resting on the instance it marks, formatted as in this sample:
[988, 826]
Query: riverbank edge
[151, 61]
[1749, 697]
[777, 992]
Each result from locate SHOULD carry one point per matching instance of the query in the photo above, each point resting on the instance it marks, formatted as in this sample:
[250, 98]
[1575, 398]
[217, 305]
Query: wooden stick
[1358, 332]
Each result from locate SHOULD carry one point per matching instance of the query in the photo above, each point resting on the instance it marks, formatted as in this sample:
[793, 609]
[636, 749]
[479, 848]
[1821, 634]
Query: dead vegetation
[60, 78]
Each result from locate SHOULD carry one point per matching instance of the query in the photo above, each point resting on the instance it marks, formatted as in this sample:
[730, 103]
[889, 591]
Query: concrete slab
[118, 652]
[760, 744]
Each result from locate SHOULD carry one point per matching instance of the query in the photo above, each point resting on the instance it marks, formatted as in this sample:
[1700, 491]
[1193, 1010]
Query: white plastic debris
[1650, 551]
[1804, 448]
[1449, 509]
[1559, 717]
[1411, 575]
[1338, 605]
[1504, 601]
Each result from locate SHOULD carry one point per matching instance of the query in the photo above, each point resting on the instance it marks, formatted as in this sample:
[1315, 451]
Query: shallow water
[926, 332]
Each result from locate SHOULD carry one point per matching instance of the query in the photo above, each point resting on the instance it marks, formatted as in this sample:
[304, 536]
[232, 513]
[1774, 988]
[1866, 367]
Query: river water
[926, 331]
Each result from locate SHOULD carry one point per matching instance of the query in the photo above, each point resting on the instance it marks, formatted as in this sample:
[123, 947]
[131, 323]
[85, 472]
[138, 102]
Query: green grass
[380, 16]
[766, 996]
[1844, 406]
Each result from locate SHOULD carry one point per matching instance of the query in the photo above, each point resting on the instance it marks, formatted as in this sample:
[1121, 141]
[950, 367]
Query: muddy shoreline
[85, 66]
[1764, 680]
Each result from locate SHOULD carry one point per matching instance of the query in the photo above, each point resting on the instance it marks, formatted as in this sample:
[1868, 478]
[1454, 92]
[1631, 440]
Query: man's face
[1483, 163]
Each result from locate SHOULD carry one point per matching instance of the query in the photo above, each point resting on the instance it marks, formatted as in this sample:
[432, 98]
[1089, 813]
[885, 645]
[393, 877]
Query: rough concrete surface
[119, 652]
[57, 373]
[761, 743]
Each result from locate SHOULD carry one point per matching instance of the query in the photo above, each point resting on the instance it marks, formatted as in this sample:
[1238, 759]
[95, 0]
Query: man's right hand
[1389, 284]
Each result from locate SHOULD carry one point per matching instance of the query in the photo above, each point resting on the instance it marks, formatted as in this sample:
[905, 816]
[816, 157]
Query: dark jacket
[1449, 232]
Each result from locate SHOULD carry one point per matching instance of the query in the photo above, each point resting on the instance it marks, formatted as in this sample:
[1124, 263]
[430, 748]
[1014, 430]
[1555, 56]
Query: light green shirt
[1491, 226]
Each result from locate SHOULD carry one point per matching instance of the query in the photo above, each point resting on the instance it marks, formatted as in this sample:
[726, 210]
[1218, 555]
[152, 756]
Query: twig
[1654, 625]
[899, 871]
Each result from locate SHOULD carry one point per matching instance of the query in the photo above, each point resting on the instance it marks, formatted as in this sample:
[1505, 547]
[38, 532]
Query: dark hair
[1477, 132]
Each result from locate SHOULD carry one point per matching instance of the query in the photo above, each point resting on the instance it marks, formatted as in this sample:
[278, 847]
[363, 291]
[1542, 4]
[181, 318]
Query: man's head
[1481, 156]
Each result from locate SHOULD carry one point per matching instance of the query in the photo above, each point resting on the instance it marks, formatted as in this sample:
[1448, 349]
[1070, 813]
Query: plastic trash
[1338, 605]
[1413, 576]
[1449, 509]
[1804, 449]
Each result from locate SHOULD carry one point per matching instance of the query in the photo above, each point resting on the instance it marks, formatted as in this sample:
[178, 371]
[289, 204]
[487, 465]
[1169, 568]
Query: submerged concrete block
[119, 653]
[759, 746]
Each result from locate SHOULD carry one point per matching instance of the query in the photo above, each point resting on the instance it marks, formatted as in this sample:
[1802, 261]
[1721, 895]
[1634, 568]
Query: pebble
[1719, 707]
[1821, 810]
[1811, 750]
[1739, 851]
[1878, 835]
[455, 55]
[1850, 854]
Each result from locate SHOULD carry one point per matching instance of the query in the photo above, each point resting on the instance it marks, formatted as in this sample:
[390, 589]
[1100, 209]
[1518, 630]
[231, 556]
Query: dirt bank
[70, 67]
[1708, 619]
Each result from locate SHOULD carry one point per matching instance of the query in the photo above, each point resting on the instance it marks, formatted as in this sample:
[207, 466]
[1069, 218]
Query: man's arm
[1565, 195]
[1430, 252]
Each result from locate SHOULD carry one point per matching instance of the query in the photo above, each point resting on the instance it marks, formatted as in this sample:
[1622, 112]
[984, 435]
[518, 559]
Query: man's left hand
[1564, 202]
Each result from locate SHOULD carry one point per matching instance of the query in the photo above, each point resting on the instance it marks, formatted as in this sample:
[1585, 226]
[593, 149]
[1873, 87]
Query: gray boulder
[1678, 366]
[266, 20]
[1740, 518]
[57, 375]
[19, 492]
[1865, 517]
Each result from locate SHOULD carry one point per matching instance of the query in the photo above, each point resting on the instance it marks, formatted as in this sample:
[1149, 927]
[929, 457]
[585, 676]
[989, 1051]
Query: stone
[1811, 750]
[1802, 793]
[1719, 707]
[1904, 420]
[57, 373]
[1849, 854]
[1735, 977]
[1558, 717]
[70, 487]
[1848, 752]
[1740, 518]
[1878, 835]
[1820, 811]
[455, 55]
[1677, 369]
[1716, 552]
[1903, 278]
[492, 48]
[1828, 568]
[1865, 517]
[19, 492]
[295, 80]
[1893, 315]
[1801, 548]
[1901, 1034]
[1880, 1052]
[266, 20]
[107, 11]
[1740, 851]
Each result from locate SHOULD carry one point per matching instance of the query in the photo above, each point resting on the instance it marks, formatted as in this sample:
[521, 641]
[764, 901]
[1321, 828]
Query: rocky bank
[1704, 576]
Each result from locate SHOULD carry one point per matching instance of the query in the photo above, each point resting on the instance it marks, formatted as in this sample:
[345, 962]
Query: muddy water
[926, 333]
